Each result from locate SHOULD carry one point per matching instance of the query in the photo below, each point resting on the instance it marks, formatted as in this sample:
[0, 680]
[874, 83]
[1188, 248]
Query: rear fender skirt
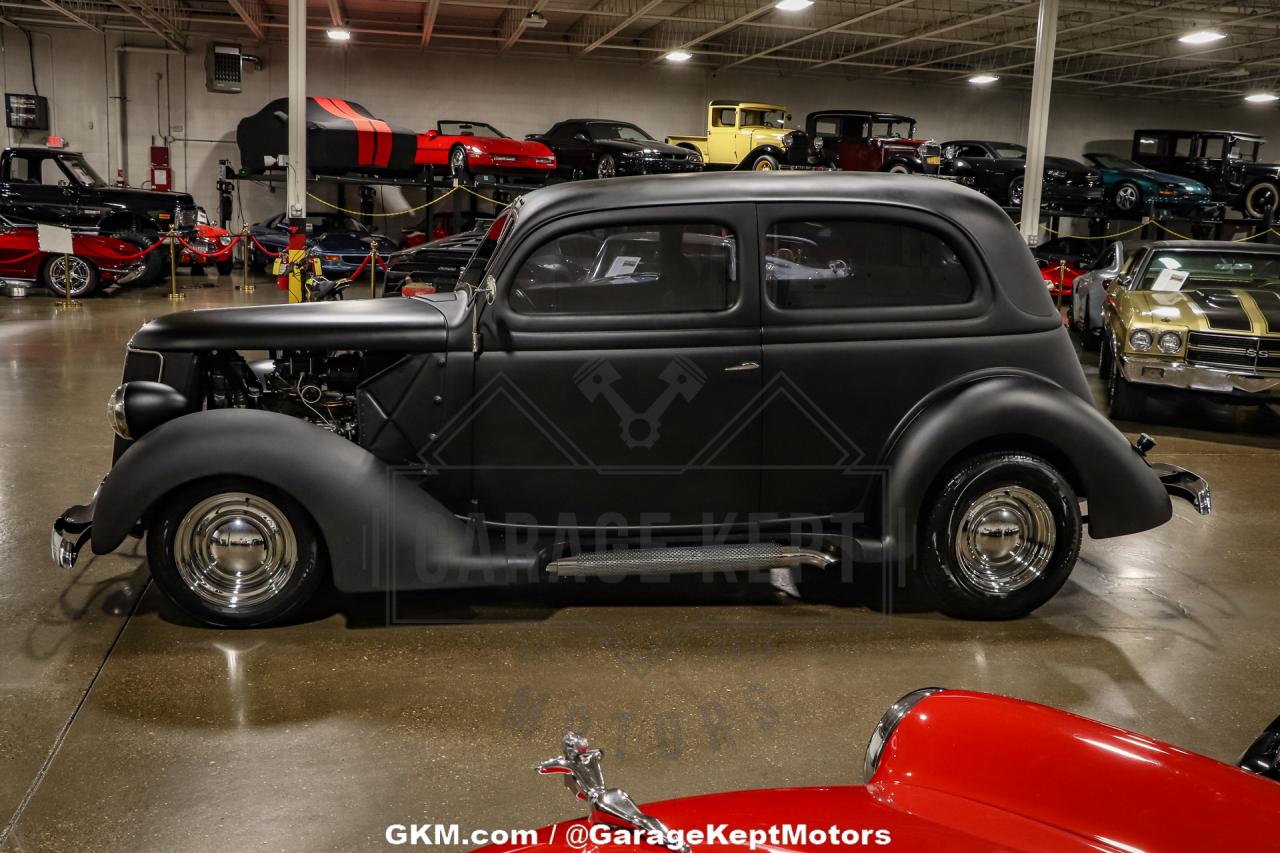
[382, 531]
[1125, 495]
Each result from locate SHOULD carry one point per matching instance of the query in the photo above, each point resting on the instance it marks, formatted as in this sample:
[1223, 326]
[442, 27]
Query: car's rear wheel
[234, 552]
[84, 276]
[1015, 191]
[1000, 536]
[1260, 198]
[1125, 400]
[226, 267]
[765, 163]
[156, 262]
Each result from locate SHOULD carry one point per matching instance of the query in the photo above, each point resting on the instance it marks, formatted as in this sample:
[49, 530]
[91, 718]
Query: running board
[669, 561]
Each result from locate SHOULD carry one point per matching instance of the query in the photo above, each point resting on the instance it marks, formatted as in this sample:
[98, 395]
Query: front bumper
[1170, 373]
[128, 274]
[71, 532]
[656, 167]
[1181, 483]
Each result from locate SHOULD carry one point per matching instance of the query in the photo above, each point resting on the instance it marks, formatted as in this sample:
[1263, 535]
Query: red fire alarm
[161, 173]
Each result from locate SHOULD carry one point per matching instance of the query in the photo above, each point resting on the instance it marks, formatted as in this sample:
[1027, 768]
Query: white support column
[1038, 122]
[296, 186]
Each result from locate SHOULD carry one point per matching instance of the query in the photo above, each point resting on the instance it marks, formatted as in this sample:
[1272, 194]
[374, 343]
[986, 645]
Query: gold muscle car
[1198, 316]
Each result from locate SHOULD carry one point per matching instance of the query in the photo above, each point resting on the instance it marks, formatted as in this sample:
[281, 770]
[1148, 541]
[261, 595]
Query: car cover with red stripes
[343, 138]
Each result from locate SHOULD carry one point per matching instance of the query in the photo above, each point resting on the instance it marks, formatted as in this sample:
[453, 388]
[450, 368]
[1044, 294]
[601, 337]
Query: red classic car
[97, 260]
[863, 141]
[958, 771]
[1064, 259]
[215, 244]
[469, 148]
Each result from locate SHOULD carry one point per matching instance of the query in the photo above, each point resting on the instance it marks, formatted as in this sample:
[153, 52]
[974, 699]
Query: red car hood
[211, 232]
[506, 145]
[970, 771]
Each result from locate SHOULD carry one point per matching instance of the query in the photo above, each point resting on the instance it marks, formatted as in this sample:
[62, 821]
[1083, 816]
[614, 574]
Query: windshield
[473, 272]
[323, 224]
[82, 172]
[1110, 161]
[628, 132]
[468, 128]
[1188, 270]
[1010, 152]
[763, 118]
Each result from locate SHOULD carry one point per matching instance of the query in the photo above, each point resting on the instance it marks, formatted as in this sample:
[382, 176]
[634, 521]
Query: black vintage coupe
[998, 169]
[679, 374]
[602, 148]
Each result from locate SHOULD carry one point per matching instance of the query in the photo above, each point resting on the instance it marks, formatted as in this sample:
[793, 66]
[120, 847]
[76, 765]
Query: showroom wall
[165, 96]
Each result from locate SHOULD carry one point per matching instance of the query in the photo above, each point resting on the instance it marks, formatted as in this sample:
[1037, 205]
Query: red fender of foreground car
[958, 771]
[97, 260]
[466, 148]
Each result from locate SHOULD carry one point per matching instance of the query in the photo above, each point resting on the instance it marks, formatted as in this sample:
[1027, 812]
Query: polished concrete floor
[124, 729]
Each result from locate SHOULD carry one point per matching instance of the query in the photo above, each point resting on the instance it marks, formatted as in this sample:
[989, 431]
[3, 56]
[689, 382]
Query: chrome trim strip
[1200, 377]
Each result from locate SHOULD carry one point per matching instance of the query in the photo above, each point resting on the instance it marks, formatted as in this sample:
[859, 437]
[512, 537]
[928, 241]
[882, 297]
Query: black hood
[136, 199]
[1262, 169]
[406, 325]
[621, 145]
[350, 241]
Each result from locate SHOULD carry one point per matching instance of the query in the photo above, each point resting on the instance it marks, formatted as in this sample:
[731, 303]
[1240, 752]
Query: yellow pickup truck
[751, 135]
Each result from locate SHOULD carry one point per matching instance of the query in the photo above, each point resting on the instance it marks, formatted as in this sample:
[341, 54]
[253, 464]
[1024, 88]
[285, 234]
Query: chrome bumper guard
[1178, 374]
[71, 532]
[1181, 483]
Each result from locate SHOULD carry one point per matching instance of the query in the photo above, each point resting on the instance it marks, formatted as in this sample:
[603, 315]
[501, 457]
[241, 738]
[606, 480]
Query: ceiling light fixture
[983, 79]
[678, 56]
[793, 5]
[1202, 37]
[1261, 98]
[338, 34]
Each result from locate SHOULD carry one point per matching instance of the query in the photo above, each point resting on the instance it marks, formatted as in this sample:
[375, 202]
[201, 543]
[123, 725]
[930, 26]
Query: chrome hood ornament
[580, 763]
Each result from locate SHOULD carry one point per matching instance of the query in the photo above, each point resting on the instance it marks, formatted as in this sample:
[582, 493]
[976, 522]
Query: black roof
[1243, 134]
[989, 142]
[36, 149]
[596, 121]
[871, 114]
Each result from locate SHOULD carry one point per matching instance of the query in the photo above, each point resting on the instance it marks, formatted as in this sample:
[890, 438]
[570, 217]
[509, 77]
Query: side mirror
[581, 137]
[432, 134]
[788, 117]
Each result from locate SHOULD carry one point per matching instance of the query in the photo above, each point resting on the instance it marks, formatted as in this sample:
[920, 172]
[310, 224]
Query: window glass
[1182, 146]
[1215, 147]
[24, 171]
[468, 128]
[826, 127]
[860, 264]
[1173, 269]
[631, 269]
[975, 152]
[725, 117]
[1149, 145]
[617, 130]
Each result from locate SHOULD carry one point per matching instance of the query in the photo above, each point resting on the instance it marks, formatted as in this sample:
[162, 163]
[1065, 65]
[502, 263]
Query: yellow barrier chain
[481, 196]
[1103, 237]
[423, 206]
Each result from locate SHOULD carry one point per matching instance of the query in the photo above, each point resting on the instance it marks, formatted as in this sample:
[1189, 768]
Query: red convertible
[958, 771]
[97, 260]
[469, 148]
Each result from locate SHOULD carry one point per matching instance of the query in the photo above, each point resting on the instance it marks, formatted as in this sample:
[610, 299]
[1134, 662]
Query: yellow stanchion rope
[423, 206]
[1102, 237]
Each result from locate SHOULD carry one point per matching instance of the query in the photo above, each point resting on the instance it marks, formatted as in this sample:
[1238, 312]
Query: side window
[22, 170]
[725, 117]
[975, 152]
[1215, 147]
[826, 127]
[834, 263]
[1149, 145]
[1182, 146]
[631, 269]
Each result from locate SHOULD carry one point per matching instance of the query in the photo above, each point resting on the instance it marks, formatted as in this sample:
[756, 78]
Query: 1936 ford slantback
[644, 375]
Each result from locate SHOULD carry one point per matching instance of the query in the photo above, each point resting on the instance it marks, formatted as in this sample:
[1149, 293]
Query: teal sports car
[1129, 187]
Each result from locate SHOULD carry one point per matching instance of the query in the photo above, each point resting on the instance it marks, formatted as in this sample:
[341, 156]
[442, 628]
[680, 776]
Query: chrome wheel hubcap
[459, 160]
[1015, 193]
[1126, 198]
[764, 165]
[1004, 541]
[235, 550]
[79, 274]
[606, 168]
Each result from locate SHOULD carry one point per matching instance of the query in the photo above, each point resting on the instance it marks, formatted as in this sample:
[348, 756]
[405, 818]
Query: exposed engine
[319, 387]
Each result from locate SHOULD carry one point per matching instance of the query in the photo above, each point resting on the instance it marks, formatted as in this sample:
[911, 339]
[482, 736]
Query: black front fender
[1125, 495]
[380, 528]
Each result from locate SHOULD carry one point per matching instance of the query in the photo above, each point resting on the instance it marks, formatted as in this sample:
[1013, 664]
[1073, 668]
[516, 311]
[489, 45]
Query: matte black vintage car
[997, 169]
[663, 374]
[1226, 161]
[603, 148]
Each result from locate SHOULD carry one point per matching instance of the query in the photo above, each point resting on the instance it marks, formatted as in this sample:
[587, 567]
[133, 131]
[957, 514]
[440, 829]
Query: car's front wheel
[458, 163]
[1127, 197]
[606, 166]
[1015, 192]
[235, 552]
[765, 163]
[1125, 400]
[1260, 198]
[84, 277]
[899, 169]
[1000, 537]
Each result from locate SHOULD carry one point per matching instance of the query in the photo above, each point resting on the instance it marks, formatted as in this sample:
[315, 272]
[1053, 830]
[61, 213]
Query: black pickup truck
[47, 185]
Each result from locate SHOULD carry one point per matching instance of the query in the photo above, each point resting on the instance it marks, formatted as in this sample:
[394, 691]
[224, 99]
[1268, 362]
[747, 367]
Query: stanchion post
[373, 271]
[245, 285]
[174, 293]
[67, 301]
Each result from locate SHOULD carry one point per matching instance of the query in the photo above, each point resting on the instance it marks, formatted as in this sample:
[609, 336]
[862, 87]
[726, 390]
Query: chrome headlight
[1059, 174]
[1170, 342]
[1140, 340]
[224, 239]
[884, 729]
[818, 142]
[115, 413]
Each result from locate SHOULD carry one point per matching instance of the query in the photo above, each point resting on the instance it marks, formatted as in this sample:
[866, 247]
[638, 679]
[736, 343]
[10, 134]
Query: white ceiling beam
[58, 7]
[150, 24]
[717, 30]
[820, 32]
[630, 10]
[429, 11]
[336, 17]
[250, 12]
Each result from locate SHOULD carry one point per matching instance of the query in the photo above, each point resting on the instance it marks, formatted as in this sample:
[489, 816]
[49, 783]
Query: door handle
[746, 365]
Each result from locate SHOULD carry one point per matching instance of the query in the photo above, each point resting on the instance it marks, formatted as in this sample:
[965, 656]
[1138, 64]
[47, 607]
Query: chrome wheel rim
[606, 168]
[1004, 541]
[1015, 193]
[235, 550]
[1127, 197]
[459, 160]
[764, 165]
[79, 275]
